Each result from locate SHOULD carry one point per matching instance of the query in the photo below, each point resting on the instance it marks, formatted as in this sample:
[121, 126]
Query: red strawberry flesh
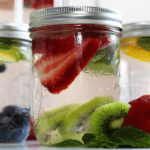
[38, 4]
[52, 46]
[31, 134]
[139, 114]
[59, 71]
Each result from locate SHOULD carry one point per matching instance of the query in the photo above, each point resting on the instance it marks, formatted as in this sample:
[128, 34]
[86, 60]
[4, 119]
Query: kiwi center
[117, 123]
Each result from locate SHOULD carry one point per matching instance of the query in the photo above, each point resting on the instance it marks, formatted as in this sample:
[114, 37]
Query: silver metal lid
[71, 15]
[136, 29]
[14, 30]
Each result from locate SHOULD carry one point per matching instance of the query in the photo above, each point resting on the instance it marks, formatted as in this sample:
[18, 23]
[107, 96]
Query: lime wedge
[11, 55]
[8, 56]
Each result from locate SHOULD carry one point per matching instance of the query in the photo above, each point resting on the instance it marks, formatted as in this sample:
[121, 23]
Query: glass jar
[15, 79]
[76, 68]
[135, 56]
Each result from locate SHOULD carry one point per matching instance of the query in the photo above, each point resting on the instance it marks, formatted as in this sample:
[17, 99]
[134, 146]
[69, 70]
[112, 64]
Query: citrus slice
[137, 53]
[12, 55]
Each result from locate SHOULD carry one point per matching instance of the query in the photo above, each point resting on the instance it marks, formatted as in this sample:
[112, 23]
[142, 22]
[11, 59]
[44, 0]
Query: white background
[132, 10]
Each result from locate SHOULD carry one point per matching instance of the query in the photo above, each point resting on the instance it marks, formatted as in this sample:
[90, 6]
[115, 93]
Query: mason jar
[15, 83]
[75, 68]
[135, 61]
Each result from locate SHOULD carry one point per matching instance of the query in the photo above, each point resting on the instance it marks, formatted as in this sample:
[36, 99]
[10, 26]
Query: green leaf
[106, 142]
[5, 47]
[94, 143]
[144, 42]
[68, 143]
[99, 55]
[88, 137]
[131, 136]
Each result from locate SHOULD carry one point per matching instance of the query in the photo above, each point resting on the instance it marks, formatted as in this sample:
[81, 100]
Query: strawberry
[139, 114]
[57, 72]
[105, 41]
[55, 46]
[31, 134]
[144, 98]
[52, 46]
[38, 4]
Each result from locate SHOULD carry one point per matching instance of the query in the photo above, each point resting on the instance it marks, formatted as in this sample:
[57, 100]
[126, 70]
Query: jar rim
[136, 29]
[74, 15]
[15, 30]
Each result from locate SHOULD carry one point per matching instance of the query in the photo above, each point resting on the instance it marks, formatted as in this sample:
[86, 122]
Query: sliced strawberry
[105, 41]
[52, 46]
[31, 134]
[59, 71]
[139, 114]
[48, 3]
[38, 4]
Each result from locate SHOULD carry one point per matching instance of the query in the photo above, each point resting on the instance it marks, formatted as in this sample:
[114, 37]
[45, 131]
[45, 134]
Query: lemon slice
[11, 55]
[8, 56]
[137, 52]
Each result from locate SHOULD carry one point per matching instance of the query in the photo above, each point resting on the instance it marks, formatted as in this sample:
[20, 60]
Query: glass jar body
[15, 90]
[135, 56]
[76, 67]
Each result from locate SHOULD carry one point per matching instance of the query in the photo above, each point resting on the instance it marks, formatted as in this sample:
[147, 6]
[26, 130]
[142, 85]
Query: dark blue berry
[21, 134]
[10, 110]
[6, 133]
[21, 119]
[2, 68]
[1, 117]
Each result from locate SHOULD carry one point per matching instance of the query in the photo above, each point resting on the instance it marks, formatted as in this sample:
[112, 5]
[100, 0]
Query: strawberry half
[139, 114]
[59, 71]
[38, 4]
[52, 46]
[144, 98]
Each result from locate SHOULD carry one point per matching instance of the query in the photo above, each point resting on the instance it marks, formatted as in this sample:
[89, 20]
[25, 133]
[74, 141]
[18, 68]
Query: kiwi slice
[46, 128]
[50, 113]
[108, 118]
[77, 122]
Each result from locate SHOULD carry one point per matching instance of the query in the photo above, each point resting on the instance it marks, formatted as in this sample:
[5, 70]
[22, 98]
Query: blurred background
[131, 10]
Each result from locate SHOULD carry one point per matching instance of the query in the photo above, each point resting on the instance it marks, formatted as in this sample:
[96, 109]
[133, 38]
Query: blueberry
[2, 68]
[10, 110]
[21, 119]
[6, 133]
[1, 117]
[20, 134]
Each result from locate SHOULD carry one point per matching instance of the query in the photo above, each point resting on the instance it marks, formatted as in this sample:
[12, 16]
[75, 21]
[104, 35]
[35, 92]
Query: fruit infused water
[15, 87]
[75, 69]
[135, 56]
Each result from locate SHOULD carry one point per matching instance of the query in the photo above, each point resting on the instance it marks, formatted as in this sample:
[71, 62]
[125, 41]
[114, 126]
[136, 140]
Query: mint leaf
[99, 55]
[88, 137]
[94, 143]
[131, 136]
[5, 47]
[101, 141]
[144, 42]
[68, 143]
[106, 142]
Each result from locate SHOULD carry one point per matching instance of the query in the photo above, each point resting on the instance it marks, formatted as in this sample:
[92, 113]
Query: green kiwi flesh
[46, 129]
[50, 113]
[77, 122]
[108, 118]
